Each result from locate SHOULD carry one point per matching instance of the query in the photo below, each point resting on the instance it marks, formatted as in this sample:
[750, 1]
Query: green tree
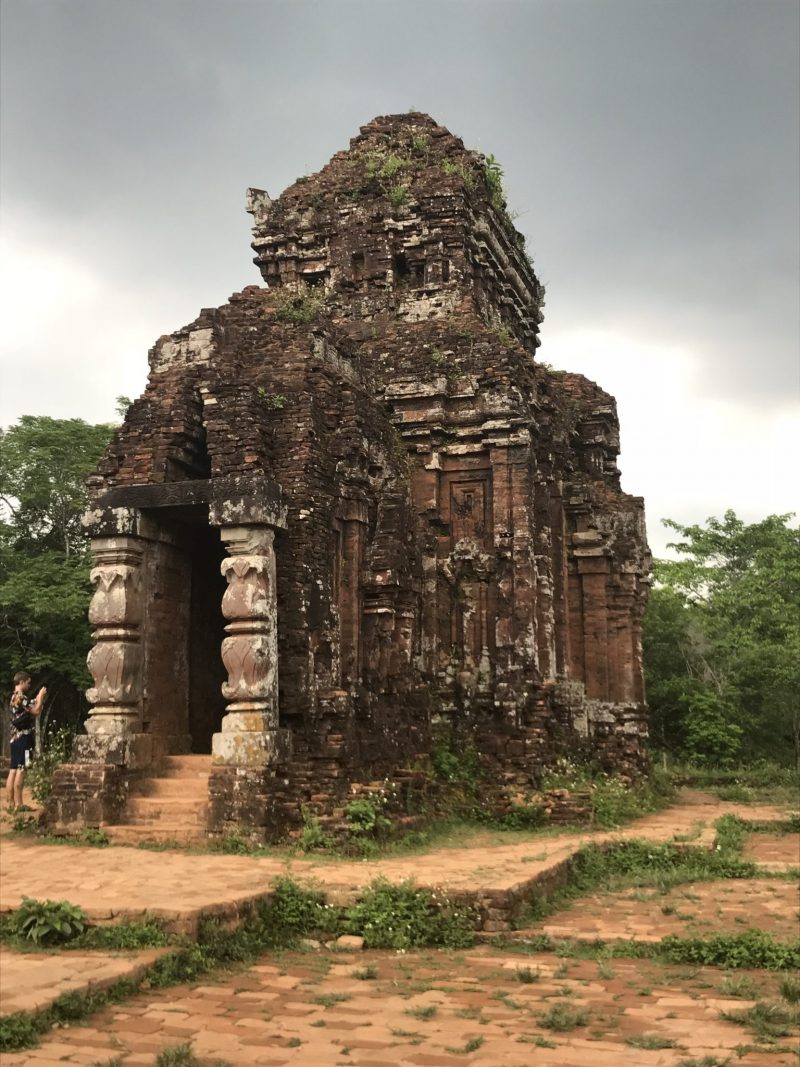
[44, 560]
[722, 641]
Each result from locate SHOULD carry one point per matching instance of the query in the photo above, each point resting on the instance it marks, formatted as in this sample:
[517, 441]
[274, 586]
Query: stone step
[186, 765]
[163, 833]
[179, 809]
[179, 787]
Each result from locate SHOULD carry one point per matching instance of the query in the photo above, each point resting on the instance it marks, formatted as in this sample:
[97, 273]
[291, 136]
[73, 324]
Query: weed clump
[403, 916]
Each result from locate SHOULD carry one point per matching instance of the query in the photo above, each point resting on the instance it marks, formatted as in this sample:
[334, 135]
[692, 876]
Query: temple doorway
[183, 670]
[205, 634]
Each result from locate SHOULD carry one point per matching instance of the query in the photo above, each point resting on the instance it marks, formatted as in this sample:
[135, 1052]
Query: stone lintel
[105, 522]
[235, 500]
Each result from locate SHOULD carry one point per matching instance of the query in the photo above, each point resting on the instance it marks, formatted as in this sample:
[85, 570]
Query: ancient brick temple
[351, 513]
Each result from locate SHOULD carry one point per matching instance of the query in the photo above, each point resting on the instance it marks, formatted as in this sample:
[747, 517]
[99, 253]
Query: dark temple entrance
[206, 632]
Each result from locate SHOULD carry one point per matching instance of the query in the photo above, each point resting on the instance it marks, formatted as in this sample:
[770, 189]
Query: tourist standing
[23, 711]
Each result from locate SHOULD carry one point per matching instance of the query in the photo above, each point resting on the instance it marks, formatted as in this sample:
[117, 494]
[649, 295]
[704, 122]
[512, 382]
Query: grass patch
[650, 1041]
[765, 1020]
[563, 1017]
[750, 950]
[424, 1012]
[633, 863]
[472, 1045]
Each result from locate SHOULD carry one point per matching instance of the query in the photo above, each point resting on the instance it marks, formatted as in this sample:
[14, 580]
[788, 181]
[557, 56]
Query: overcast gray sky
[649, 146]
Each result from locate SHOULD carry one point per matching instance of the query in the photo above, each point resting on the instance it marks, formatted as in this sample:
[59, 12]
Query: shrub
[148, 933]
[312, 835]
[294, 911]
[766, 1020]
[403, 916]
[364, 816]
[177, 1056]
[48, 922]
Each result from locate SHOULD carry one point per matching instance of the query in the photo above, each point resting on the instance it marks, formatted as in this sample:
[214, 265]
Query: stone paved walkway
[432, 1010]
[480, 1009]
[180, 887]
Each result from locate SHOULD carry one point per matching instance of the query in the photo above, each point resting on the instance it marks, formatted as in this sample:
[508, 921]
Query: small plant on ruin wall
[56, 748]
[462, 171]
[505, 336]
[300, 309]
[272, 401]
[493, 173]
[398, 195]
[365, 818]
[421, 144]
[438, 357]
[312, 835]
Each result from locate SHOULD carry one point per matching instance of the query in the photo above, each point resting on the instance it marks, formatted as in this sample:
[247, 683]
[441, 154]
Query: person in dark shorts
[23, 711]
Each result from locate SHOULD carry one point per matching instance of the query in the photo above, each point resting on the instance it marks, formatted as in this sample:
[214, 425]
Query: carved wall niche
[467, 564]
[349, 545]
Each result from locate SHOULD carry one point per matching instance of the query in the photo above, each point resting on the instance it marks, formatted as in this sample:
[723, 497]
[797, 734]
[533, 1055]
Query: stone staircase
[170, 806]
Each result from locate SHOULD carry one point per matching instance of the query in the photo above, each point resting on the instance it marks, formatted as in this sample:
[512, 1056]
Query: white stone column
[249, 734]
[116, 613]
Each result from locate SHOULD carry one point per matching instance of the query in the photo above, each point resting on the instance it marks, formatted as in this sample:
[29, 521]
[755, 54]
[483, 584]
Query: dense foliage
[44, 561]
[722, 642]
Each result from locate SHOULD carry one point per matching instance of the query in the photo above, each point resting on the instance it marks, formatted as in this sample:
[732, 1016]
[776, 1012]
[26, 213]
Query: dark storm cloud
[651, 147]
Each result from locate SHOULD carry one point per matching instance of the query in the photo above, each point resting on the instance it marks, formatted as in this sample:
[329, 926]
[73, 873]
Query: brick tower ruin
[351, 514]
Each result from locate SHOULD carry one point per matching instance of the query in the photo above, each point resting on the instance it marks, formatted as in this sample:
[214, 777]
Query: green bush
[364, 816]
[48, 922]
[766, 1020]
[294, 911]
[403, 916]
[148, 933]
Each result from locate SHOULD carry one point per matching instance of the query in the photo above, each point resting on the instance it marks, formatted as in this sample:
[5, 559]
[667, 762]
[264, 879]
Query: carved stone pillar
[249, 734]
[116, 613]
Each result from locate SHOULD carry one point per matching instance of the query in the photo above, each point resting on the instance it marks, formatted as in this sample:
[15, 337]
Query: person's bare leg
[10, 783]
[18, 784]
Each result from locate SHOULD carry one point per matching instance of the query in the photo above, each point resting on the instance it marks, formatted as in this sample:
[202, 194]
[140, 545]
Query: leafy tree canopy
[44, 559]
[44, 463]
[722, 641]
